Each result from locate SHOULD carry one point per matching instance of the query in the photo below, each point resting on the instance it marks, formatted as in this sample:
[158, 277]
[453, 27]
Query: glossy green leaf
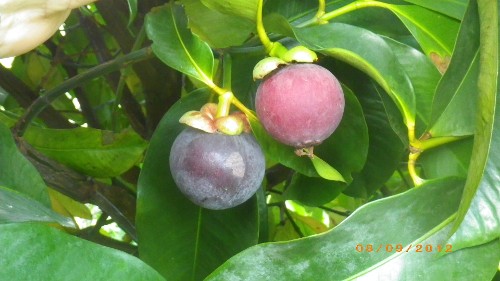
[395, 119]
[312, 191]
[243, 8]
[35, 251]
[380, 21]
[346, 149]
[385, 149]
[242, 83]
[428, 214]
[179, 239]
[452, 8]
[434, 32]
[446, 160]
[423, 74]
[176, 46]
[217, 29]
[368, 52]
[17, 172]
[478, 219]
[454, 104]
[290, 9]
[94, 152]
[281, 153]
[16, 207]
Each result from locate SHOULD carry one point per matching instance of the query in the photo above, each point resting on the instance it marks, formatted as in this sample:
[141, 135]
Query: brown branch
[25, 97]
[85, 105]
[160, 83]
[130, 105]
[111, 199]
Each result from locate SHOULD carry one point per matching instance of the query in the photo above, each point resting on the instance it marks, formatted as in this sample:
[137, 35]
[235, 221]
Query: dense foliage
[406, 187]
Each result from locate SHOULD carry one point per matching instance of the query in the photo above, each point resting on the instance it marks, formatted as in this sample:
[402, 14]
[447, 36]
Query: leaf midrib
[455, 93]
[205, 79]
[401, 13]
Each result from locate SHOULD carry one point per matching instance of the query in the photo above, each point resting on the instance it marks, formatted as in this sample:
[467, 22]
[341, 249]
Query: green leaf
[312, 191]
[447, 160]
[181, 240]
[428, 212]
[290, 9]
[423, 74]
[380, 21]
[243, 61]
[325, 170]
[478, 219]
[94, 152]
[385, 148]
[346, 149]
[368, 52]
[17, 172]
[454, 103]
[37, 251]
[217, 29]
[16, 207]
[434, 32]
[452, 8]
[243, 8]
[176, 46]
[395, 119]
[281, 153]
[68, 207]
[132, 7]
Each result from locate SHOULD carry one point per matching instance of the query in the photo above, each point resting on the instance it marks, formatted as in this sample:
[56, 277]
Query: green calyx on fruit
[276, 49]
[266, 66]
[229, 125]
[206, 120]
[300, 54]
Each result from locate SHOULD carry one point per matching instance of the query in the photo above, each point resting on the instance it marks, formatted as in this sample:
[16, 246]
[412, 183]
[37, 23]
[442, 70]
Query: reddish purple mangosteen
[300, 104]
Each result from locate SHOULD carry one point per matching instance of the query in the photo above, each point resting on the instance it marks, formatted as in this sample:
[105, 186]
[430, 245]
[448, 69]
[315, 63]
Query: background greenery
[87, 120]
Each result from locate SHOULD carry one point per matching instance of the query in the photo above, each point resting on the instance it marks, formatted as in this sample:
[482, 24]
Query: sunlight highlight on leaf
[325, 170]
[176, 46]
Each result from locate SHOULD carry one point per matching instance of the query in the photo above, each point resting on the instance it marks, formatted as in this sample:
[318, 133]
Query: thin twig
[44, 101]
[341, 213]
[294, 224]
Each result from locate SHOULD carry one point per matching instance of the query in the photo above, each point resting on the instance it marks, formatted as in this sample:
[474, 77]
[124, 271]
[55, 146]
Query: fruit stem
[274, 49]
[343, 10]
[417, 147]
[261, 31]
[224, 104]
[234, 100]
[320, 13]
[412, 159]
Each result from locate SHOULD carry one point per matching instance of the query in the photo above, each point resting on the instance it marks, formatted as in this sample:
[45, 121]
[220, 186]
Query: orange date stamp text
[398, 248]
